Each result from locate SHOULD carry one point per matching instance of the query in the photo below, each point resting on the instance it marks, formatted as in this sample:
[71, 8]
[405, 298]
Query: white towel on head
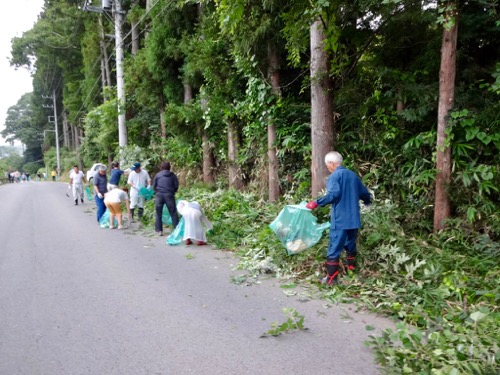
[194, 221]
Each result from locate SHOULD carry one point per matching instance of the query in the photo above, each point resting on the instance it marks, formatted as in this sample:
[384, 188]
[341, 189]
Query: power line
[113, 53]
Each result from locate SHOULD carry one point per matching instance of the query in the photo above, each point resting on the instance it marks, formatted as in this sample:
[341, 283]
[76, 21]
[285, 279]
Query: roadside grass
[443, 288]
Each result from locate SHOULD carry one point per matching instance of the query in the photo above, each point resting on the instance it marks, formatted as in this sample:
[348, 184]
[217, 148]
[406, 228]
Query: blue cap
[136, 165]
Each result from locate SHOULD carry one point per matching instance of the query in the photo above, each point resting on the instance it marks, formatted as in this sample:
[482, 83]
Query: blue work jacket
[344, 191]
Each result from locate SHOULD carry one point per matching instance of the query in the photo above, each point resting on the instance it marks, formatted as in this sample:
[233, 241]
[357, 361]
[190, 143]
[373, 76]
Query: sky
[16, 17]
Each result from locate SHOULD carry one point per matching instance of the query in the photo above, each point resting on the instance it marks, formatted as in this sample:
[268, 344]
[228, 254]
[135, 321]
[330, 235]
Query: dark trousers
[341, 239]
[101, 207]
[160, 200]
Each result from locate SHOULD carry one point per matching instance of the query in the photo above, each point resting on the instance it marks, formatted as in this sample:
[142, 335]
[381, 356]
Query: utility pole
[57, 135]
[120, 82]
[54, 120]
[116, 6]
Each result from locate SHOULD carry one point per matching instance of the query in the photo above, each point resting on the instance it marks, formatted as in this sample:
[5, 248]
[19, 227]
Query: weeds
[443, 288]
[294, 322]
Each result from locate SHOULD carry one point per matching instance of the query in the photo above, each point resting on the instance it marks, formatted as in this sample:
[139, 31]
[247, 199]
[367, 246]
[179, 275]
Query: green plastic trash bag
[88, 193]
[297, 228]
[165, 216]
[104, 222]
[175, 238]
[146, 193]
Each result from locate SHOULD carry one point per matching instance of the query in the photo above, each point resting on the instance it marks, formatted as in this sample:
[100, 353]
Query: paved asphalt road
[78, 299]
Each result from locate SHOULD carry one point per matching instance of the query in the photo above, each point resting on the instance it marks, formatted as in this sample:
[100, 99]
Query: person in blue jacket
[344, 191]
[115, 176]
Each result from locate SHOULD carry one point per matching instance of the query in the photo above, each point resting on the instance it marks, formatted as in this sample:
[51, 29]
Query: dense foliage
[210, 83]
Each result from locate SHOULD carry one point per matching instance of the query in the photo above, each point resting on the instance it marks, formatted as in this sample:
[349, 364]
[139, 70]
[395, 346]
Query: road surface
[77, 299]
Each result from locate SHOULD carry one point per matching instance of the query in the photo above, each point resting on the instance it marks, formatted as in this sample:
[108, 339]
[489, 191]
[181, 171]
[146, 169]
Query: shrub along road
[78, 299]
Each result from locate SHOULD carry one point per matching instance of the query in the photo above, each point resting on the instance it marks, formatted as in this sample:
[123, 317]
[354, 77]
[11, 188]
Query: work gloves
[311, 205]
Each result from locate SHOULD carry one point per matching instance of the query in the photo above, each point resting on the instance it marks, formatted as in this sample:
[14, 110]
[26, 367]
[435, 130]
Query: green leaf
[472, 133]
[288, 286]
[477, 316]
[370, 328]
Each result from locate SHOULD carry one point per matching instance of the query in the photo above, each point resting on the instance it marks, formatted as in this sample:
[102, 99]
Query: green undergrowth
[443, 289]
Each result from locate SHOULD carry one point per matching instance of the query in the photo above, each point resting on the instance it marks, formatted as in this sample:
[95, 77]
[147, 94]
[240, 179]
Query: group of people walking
[17, 176]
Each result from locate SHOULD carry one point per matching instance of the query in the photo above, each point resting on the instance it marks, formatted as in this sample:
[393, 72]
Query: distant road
[77, 299]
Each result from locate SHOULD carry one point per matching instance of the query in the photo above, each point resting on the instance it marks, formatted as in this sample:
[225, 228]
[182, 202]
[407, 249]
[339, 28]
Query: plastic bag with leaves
[297, 228]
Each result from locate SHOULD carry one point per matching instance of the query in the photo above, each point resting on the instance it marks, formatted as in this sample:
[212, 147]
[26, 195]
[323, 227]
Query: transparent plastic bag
[297, 228]
[165, 216]
[175, 238]
[104, 222]
[88, 193]
[146, 193]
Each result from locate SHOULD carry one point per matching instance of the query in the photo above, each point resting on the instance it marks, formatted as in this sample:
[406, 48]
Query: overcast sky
[16, 17]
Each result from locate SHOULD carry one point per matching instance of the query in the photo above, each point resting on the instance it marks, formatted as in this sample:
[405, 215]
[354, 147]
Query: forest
[245, 98]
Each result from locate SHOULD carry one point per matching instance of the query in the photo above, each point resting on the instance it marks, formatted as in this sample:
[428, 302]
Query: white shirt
[77, 178]
[115, 196]
[138, 180]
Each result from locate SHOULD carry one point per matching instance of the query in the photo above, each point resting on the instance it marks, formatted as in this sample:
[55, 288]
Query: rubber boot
[351, 262]
[332, 270]
[132, 213]
[141, 212]
[76, 202]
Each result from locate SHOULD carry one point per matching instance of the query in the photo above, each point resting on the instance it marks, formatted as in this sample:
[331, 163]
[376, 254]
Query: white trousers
[77, 191]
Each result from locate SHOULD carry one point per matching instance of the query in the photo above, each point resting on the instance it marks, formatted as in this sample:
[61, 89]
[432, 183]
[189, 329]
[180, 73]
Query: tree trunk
[104, 53]
[103, 78]
[400, 106]
[446, 99]
[208, 160]
[135, 39]
[274, 77]
[135, 32]
[208, 152]
[207, 147]
[188, 93]
[163, 125]
[74, 136]
[322, 118]
[232, 156]
[65, 130]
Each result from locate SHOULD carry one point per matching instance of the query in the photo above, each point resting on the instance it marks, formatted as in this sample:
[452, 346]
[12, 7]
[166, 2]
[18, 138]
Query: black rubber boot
[141, 212]
[76, 202]
[332, 270]
[351, 262]
[132, 213]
